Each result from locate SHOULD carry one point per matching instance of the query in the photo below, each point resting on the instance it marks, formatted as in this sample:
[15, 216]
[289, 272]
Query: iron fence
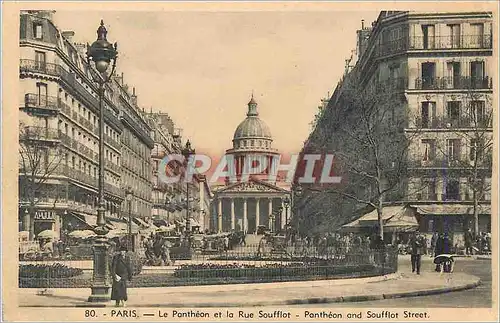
[243, 264]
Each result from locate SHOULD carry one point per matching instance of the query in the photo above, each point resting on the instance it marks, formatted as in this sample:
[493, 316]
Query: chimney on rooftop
[134, 97]
[362, 24]
[68, 34]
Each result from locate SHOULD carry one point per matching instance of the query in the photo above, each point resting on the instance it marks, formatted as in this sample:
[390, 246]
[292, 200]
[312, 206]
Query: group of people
[157, 248]
[223, 242]
[481, 243]
[441, 250]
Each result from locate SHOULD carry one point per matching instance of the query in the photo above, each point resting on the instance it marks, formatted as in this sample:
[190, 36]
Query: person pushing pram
[443, 258]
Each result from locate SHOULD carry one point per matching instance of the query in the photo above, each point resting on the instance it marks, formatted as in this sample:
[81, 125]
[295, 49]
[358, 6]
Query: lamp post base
[100, 294]
[101, 277]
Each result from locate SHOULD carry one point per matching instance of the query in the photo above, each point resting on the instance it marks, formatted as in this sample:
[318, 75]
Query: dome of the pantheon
[252, 133]
[252, 127]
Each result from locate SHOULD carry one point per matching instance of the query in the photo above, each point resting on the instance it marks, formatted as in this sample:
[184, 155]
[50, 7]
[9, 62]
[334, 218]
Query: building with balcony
[442, 65]
[169, 199]
[59, 136]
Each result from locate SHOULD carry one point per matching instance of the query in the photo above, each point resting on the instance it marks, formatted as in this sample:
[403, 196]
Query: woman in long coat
[121, 272]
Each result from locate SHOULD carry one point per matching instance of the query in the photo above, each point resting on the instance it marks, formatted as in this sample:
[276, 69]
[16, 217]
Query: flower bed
[324, 261]
[48, 271]
[268, 271]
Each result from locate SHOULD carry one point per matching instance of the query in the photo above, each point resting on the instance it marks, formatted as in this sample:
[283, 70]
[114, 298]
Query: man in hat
[417, 249]
[121, 272]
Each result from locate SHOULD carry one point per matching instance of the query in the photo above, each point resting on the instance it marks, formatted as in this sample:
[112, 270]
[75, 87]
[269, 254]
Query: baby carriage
[444, 263]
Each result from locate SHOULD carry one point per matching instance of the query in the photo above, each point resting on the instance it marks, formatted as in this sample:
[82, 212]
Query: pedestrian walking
[417, 244]
[434, 239]
[468, 242]
[122, 273]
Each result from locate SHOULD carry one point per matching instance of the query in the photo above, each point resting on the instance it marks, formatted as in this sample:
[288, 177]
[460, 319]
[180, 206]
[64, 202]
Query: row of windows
[139, 186]
[138, 207]
[137, 165]
[88, 115]
[453, 150]
[132, 142]
[456, 114]
[76, 107]
[476, 70]
[88, 141]
[89, 168]
[453, 190]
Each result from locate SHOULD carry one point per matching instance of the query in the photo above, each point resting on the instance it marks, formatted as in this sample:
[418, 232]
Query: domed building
[247, 202]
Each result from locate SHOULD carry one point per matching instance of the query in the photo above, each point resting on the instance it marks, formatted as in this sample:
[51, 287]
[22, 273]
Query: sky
[201, 67]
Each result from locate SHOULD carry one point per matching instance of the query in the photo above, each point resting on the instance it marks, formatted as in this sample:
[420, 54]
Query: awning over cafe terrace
[450, 209]
[395, 218]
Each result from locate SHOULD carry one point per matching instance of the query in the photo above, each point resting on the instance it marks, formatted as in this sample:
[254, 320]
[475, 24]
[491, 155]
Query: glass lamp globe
[101, 66]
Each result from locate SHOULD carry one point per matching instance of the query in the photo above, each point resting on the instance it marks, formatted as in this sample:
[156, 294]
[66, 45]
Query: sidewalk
[402, 284]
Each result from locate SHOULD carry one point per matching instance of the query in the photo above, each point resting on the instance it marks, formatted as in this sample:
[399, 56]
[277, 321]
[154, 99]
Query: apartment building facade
[169, 199]
[59, 143]
[442, 64]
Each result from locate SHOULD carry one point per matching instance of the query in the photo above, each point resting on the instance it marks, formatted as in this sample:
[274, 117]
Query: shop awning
[450, 209]
[141, 222]
[123, 225]
[395, 218]
[88, 219]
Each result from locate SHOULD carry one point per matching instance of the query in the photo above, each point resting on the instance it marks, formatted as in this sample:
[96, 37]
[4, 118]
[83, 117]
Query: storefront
[453, 219]
[42, 220]
[398, 221]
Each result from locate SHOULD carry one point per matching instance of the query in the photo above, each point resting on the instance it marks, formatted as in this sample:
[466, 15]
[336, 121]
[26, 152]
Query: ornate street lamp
[296, 193]
[129, 195]
[102, 53]
[286, 203]
[187, 152]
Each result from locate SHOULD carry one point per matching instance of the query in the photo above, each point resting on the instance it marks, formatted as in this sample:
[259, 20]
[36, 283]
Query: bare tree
[366, 132]
[39, 158]
[472, 124]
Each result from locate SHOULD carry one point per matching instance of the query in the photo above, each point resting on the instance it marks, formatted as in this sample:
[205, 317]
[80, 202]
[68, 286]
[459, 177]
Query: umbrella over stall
[46, 234]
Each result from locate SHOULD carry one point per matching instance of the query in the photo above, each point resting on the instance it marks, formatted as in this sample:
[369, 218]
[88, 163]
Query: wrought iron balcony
[41, 104]
[112, 166]
[441, 162]
[445, 83]
[39, 133]
[462, 122]
[65, 108]
[114, 190]
[433, 42]
[451, 42]
[108, 139]
[392, 47]
[32, 66]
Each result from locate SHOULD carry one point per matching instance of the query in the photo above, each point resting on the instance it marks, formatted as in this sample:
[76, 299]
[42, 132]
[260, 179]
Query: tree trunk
[26, 221]
[380, 218]
[476, 213]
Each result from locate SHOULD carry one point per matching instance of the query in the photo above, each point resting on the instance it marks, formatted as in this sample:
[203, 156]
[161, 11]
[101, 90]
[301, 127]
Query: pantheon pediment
[253, 187]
